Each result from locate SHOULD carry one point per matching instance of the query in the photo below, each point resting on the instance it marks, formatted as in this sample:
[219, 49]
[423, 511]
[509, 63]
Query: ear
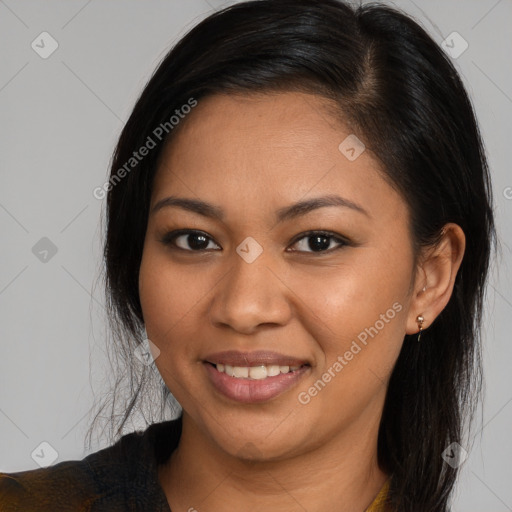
[435, 277]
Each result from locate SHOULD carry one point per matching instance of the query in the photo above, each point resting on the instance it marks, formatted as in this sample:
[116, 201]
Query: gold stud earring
[420, 321]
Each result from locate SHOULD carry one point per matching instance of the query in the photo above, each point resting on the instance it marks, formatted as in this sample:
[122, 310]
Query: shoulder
[108, 479]
[47, 488]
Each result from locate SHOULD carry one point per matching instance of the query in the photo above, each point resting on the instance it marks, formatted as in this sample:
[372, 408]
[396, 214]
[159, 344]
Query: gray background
[60, 118]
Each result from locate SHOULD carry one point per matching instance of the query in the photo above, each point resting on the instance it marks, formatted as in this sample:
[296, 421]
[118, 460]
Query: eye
[188, 240]
[198, 241]
[319, 241]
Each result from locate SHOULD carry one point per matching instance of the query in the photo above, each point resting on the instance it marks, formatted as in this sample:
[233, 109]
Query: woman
[299, 219]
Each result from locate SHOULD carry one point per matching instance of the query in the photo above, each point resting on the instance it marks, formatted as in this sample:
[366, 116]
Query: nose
[251, 295]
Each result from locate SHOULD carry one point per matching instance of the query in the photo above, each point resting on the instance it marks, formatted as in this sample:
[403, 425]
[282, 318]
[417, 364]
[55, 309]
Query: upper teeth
[254, 372]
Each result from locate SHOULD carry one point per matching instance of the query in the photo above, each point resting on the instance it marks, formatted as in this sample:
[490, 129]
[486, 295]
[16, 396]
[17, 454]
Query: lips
[254, 377]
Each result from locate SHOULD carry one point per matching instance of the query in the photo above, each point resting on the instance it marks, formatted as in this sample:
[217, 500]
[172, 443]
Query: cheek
[173, 297]
[168, 296]
[345, 300]
[164, 295]
[357, 316]
[358, 329]
[371, 322]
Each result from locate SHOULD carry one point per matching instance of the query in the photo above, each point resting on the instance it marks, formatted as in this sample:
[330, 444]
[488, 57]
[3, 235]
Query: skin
[250, 156]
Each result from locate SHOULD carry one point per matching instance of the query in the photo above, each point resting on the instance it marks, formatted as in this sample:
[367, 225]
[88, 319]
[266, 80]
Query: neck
[341, 475]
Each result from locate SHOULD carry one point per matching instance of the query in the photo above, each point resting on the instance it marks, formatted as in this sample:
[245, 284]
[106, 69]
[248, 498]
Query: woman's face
[268, 335]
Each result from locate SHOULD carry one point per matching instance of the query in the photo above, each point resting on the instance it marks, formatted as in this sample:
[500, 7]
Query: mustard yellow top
[380, 504]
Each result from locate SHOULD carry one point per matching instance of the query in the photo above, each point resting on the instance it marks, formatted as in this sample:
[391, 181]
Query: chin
[256, 435]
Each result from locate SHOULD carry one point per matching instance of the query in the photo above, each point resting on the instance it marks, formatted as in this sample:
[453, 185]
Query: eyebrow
[286, 213]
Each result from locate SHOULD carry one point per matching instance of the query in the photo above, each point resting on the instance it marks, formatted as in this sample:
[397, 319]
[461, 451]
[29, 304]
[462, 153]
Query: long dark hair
[399, 93]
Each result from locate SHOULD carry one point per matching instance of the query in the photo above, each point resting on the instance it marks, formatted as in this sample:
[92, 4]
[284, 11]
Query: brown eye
[198, 241]
[188, 240]
[319, 241]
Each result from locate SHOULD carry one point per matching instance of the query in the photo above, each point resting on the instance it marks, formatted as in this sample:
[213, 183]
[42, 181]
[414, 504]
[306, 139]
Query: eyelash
[169, 239]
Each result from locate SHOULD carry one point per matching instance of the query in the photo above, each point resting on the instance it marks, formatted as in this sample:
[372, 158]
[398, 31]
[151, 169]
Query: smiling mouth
[258, 372]
[254, 377]
[256, 383]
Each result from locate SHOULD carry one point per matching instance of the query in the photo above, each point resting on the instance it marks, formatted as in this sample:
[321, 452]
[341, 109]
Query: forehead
[278, 147]
[291, 123]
